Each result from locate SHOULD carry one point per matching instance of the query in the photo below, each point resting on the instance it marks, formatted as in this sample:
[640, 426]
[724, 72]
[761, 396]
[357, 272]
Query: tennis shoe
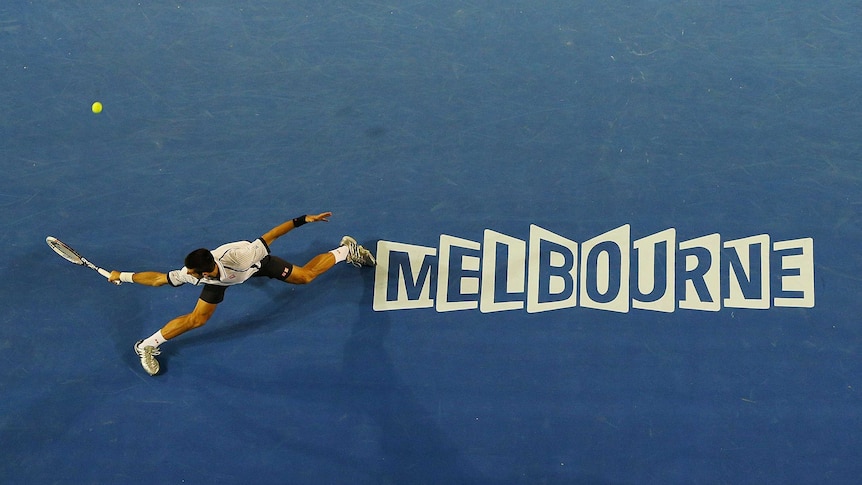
[358, 255]
[148, 360]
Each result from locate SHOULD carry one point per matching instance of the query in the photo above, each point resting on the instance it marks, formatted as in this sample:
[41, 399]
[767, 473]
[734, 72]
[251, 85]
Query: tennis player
[232, 264]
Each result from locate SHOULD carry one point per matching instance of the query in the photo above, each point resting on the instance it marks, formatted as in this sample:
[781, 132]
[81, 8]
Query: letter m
[402, 276]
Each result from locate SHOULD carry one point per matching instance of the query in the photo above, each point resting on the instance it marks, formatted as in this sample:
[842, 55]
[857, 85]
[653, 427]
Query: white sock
[340, 253]
[155, 340]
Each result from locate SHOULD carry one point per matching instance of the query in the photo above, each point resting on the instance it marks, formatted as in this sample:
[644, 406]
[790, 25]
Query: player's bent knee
[300, 277]
[197, 321]
[302, 280]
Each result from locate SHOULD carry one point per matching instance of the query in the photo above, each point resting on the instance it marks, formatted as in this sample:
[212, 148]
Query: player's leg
[198, 317]
[302, 275]
[277, 268]
[148, 348]
[349, 251]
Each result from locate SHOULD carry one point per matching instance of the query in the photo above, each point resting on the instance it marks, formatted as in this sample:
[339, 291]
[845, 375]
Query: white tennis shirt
[236, 261]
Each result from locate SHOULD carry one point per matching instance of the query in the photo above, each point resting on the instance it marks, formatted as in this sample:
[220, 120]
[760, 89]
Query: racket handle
[107, 276]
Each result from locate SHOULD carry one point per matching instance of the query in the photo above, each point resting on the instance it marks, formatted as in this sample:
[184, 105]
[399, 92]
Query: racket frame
[69, 254]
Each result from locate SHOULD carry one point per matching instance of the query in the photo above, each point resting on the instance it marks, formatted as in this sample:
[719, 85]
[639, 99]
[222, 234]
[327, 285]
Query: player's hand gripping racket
[72, 256]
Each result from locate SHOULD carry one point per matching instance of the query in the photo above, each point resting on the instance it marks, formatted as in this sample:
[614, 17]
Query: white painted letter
[608, 252]
[660, 299]
[466, 281]
[703, 273]
[749, 281]
[797, 273]
[512, 273]
[408, 268]
[554, 277]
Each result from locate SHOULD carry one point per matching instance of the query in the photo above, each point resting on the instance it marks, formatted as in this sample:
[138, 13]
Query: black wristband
[298, 221]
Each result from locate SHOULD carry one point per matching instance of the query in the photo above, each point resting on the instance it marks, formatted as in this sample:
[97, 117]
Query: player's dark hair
[200, 261]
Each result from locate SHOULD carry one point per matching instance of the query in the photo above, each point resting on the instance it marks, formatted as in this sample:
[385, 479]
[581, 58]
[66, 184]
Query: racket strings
[65, 251]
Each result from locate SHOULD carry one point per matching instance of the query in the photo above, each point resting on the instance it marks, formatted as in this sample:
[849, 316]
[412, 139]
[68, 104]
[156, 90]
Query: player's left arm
[287, 226]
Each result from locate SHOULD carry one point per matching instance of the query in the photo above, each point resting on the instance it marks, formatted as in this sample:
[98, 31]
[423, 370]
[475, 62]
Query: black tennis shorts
[270, 266]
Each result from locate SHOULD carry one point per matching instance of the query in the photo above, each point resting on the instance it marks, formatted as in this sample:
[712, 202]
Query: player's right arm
[146, 278]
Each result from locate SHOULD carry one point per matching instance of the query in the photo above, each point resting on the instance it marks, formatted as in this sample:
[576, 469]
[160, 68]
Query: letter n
[748, 273]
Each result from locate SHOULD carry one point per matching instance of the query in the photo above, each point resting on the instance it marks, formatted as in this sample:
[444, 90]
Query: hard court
[618, 241]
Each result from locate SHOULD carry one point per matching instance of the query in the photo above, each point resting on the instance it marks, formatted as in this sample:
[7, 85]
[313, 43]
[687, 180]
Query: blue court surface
[617, 242]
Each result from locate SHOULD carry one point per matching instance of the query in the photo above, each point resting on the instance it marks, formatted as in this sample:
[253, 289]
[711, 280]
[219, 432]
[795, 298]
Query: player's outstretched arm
[287, 226]
[146, 278]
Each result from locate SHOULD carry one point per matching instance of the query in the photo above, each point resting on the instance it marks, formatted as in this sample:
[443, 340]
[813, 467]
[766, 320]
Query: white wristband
[126, 277]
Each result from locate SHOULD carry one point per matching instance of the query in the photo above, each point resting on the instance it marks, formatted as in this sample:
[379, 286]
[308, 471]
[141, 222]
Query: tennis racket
[72, 256]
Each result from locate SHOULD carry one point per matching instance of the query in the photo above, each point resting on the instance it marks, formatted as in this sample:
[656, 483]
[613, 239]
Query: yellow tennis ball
[97, 107]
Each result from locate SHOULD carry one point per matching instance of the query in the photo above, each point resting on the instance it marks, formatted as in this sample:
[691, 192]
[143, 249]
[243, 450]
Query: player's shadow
[412, 446]
[415, 449]
[409, 444]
